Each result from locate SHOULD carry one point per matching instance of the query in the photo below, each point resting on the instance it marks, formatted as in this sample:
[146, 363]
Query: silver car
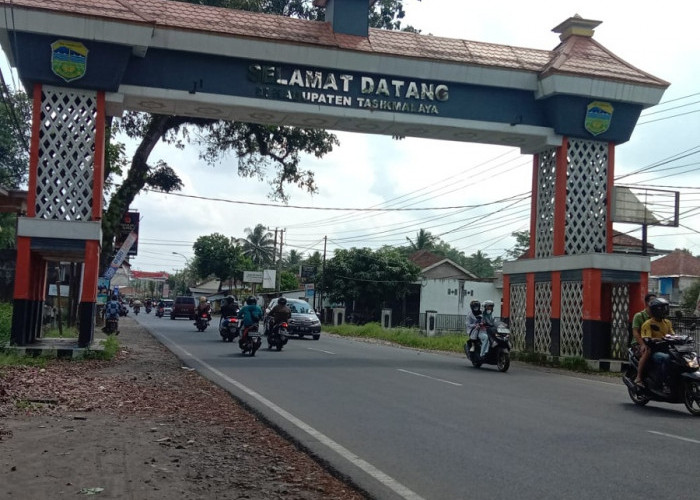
[304, 320]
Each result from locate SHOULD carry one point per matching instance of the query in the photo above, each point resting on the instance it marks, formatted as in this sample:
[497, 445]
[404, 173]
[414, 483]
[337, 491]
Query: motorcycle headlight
[691, 361]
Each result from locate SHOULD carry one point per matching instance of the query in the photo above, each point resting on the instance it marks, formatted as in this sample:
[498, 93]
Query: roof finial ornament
[576, 25]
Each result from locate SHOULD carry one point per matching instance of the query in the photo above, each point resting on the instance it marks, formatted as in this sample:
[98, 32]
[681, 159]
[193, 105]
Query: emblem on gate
[598, 117]
[68, 59]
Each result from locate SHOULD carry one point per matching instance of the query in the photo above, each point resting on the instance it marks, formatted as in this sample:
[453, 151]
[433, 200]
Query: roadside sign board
[269, 280]
[252, 276]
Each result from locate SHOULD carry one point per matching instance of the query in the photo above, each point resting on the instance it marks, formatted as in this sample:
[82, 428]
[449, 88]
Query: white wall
[445, 296]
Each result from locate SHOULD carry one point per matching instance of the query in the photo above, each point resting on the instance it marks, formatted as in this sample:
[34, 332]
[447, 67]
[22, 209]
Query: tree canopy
[218, 255]
[367, 278]
[258, 245]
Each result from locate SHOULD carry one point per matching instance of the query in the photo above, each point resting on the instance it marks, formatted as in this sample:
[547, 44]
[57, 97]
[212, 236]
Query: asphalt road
[408, 424]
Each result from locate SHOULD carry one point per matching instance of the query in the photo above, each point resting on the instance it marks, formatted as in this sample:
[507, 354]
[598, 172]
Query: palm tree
[259, 245]
[424, 241]
[293, 260]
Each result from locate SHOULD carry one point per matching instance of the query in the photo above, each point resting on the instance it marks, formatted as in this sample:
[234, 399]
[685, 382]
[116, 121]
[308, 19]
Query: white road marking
[320, 350]
[386, 480]
[681, 438]
[428, 376]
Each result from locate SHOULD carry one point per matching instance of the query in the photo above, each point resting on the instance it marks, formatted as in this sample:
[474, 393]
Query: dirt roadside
[143, 427]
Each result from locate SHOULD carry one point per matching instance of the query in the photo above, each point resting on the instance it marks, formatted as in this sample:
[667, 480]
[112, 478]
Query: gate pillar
[560, 296]
[64, 204]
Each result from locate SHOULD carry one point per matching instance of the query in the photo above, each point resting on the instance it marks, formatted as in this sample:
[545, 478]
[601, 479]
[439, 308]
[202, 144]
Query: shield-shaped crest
[598, 117]
[68, 59]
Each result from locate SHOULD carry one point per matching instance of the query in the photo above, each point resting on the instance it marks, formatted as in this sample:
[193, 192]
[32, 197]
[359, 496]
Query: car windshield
[299, 307]
[168, 303]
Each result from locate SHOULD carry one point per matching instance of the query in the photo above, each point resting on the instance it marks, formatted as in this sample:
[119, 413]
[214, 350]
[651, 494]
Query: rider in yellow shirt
[656, 328]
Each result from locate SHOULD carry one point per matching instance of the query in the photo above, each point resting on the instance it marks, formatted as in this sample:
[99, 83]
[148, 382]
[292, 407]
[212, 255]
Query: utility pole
[323, 278]
[278, 274]
[274, 246]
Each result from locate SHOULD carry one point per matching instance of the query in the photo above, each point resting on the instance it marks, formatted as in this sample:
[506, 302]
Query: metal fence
[686, 325]
[447, 323]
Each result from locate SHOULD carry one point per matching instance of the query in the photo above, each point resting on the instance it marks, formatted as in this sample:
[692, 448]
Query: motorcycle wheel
[503, 361]
[637, 397]
[691, 398]
[475, 359]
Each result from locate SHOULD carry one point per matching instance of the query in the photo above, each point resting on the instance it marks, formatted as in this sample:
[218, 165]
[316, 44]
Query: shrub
[5, 322]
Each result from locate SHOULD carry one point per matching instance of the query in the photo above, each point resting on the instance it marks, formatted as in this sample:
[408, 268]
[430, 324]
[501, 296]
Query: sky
[371, 171]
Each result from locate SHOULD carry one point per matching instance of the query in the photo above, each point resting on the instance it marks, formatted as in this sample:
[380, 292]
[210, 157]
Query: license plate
[303, 329]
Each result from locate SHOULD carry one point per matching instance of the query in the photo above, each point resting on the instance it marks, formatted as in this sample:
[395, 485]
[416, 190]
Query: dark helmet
[282, 301]
[229, 299]
[659, 308]
[114, 297]
[251, 301]
[475, 306]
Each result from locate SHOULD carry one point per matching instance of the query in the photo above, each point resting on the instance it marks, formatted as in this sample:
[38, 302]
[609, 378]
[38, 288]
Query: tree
[690, 299]
[256, 147]
[258, 245]
[367, 279]
[293, 261]
[522, 244]
[289, 281]
[15, 121]
[424, 241]
[479, 264]
[217, 255]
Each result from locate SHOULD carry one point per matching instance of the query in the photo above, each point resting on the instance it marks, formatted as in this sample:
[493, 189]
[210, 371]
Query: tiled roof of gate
[578, 55]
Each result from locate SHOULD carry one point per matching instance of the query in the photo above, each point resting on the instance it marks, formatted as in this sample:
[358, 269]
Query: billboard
[128, 224]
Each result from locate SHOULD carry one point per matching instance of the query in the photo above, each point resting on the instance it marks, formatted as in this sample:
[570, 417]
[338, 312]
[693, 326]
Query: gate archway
[568, 107]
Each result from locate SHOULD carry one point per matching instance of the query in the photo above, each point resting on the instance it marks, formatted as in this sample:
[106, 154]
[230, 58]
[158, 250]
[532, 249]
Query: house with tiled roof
[448, 288]
[672, 274]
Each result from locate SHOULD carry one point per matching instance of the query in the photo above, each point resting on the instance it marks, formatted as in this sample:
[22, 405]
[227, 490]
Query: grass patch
[69, 332]
[111, 346]
[12, 359]
[409, 337]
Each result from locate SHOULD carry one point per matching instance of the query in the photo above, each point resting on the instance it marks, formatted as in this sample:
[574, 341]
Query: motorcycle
[159, 312]
[202, 321]
[251, 342]
[148, 309]
[111, 326]
[277, 337]
[499, 349]
[136, 310]
[683, 375]
[228, 328]
[123, 310]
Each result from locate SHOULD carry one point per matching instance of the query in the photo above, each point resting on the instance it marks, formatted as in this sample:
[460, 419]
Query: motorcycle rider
[280, 314]
[228, 308]
[250, 314]
[476, 327]
[656, 328]
[112, 312]
[643, 350]
[203, 308]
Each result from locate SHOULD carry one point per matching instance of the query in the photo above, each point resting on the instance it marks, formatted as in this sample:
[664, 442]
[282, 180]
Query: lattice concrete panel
[619, 321]
[66, 154]
[571, 328]
[543, 317]
[517, 315]
[546, 174]
[586, 197]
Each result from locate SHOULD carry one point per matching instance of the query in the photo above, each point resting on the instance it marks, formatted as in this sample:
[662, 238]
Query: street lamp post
[187, 265]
